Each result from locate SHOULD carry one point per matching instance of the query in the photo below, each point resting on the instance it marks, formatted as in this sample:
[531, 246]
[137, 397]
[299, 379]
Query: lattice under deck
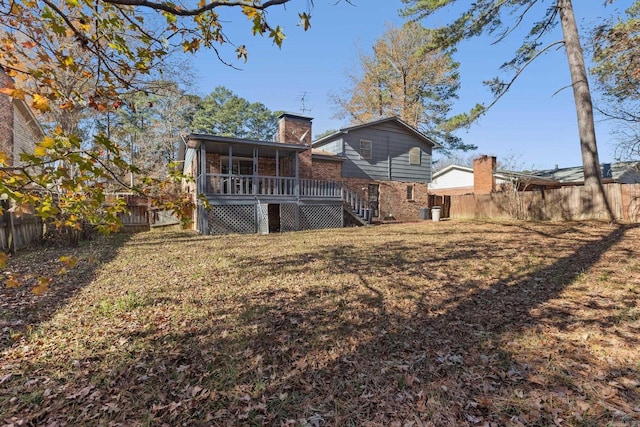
[321, 216]
[232, 219]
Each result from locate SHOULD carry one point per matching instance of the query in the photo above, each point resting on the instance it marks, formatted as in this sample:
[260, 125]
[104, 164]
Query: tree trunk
[584, 106]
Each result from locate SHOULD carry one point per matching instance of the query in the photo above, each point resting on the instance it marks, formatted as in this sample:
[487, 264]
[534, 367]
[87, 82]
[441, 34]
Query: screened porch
[238, 168]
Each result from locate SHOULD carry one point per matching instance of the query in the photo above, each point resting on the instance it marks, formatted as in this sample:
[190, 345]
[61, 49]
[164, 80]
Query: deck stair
[356, 206]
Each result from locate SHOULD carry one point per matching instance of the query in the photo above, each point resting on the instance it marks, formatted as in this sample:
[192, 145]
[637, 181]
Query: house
[19, 128]
[19, 133]
[619, 172]
[484, 178]
[355, 175]
[386, 162]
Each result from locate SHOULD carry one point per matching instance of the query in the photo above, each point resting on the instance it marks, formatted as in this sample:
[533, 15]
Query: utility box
[424, 213]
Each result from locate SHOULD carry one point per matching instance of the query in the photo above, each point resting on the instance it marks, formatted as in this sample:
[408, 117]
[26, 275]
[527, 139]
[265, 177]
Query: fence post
[4, 204]
[11, 235]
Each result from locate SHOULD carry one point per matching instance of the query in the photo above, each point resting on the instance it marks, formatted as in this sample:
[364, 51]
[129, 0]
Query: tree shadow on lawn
[386, 333]
[21, 311]
[480, 352]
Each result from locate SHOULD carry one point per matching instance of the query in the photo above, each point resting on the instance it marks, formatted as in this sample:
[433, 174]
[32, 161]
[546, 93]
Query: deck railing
[317, 188]
[357, 204]
[251, 185]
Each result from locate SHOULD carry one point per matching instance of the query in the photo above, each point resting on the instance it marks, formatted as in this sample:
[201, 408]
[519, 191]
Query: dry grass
[442, 324]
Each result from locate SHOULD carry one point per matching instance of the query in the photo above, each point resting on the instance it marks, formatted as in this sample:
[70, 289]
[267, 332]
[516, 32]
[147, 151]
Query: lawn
[425, 324]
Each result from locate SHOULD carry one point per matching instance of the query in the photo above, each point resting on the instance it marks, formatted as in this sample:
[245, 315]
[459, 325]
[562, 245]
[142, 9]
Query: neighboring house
[386, 162]
[19, 133]
[455, 180]
[483, 178]
[375, 170]
[19, 128]
[620, 172]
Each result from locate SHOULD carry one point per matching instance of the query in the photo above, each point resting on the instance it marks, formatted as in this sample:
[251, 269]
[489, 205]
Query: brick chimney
[295, 129]
[6, 118]
[484, 181]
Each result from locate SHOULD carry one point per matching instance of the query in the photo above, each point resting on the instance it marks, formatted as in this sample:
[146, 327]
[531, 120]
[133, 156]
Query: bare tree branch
[520, 70]
[175, 10]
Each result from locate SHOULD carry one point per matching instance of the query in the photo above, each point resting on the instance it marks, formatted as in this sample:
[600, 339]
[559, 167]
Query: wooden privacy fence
[142, 215]
[137, 219]
[567, 203]
[19, 232]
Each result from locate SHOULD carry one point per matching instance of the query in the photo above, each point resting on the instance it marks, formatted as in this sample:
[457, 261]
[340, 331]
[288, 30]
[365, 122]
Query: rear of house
[387, 162]
[377, 170]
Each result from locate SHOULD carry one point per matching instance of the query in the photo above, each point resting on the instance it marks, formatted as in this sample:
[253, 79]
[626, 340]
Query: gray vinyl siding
[333, 147]
[390, 155]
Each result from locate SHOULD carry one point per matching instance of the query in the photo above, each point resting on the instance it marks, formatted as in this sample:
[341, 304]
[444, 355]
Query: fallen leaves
[42, 286]
[390, 325]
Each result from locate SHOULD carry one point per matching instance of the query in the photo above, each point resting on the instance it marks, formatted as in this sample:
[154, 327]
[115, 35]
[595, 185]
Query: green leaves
[617, 47]
[305, 21]
[464, 119]
[73, 58]
[277, 35]
[222, 112]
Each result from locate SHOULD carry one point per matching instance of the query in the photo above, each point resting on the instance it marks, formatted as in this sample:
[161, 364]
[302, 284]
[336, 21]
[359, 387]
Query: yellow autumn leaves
[43, 146]
[38, 101]
[42, 284]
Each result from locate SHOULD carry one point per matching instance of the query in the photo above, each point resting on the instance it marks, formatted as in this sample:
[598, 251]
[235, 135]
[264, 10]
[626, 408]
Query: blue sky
[534, 124]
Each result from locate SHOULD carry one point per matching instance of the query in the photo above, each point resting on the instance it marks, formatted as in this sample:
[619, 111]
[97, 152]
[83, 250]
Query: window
[414, 156]
[240, 165]
[365, 149]
[410, 192]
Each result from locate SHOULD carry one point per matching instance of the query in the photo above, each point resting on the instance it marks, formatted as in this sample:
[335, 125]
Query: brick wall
[294, 129]
[484, 181]
[25, 132]
[393, 202]
[327, 170]
[6, 118]
[266, 166]
[213, 163]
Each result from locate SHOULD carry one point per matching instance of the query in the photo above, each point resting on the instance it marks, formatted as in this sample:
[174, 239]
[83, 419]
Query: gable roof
[504, 175]
[32, 120]
[450, 168]
[424, 138]
[319, 154]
